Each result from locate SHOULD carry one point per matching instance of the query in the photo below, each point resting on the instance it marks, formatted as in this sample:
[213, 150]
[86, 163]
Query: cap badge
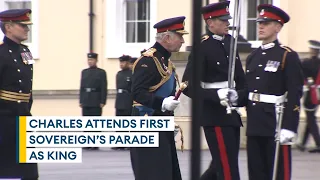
[262, 12]
[28, 14]
[227, 8]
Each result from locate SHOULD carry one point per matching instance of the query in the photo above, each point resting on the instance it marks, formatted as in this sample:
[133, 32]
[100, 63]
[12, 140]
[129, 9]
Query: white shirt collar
[217, 37]
[267, 46]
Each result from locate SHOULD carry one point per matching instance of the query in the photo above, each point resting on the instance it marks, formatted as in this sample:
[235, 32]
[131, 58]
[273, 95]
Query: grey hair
[2, 27]
[160, 36]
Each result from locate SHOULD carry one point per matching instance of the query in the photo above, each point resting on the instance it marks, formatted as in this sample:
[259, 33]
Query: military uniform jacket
[148, 73]
[123, 85]
[214, 57]
[310, 69]
[273, 69]
[16, 71]
[93, 88]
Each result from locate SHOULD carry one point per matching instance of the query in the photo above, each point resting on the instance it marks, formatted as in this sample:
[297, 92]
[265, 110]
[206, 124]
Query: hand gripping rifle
[233, 51]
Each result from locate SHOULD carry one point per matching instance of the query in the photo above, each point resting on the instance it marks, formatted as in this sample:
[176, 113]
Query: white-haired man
[153, 90]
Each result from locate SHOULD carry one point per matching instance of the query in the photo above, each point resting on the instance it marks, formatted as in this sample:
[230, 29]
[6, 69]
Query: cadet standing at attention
[153, 90]
[16, 72]
[274, 76]
[311, 69]
[222, 130]
[132, 60]
[123, 102]
[93, 89]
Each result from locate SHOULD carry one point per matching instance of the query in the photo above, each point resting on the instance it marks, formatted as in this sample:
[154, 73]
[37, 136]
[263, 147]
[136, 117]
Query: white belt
[265, 98]
[215, 85]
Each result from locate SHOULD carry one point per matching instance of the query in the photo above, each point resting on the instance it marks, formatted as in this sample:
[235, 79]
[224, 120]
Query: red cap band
[217, 13]
[24, 17]
[171, 28]
[270, 15]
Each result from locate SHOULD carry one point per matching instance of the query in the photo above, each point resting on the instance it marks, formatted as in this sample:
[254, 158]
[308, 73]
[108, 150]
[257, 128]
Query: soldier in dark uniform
[274, 76]
[153, 90]
[222, 130]
[93, 89]
[132, 60]
[16, 71]
[123, 103]
[311, 69]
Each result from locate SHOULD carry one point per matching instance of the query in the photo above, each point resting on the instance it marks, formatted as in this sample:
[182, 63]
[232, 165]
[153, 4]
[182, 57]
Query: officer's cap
[268, 12]
[175, 24]
[133, 59]
[125, 58]
[218, 10]
[21, 16]
[314, 44]
[93, 55]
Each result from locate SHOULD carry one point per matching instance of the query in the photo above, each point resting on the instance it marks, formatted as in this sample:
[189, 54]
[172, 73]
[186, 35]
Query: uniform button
[19, 101]
[10, 51]
[227, 56]
[263, 53]
[30, 90]
[218, 63]
[15, 60]
[248, 70]
[222, 43]
[253, 104]
[20, 81]
[20, 91]
[260, 65]
[18, 70]
[31, 69]
[257, 77]
[255, 90]
[31, 79]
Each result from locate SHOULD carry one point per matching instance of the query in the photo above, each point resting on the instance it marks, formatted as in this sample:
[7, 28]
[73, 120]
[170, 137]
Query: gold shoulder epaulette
[149, 52]
[205, 37]
[286, 48]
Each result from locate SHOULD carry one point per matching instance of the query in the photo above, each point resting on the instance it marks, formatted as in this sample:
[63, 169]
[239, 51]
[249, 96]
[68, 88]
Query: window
[129, 26]
[138, 21]
[249, 15]
[32, 41]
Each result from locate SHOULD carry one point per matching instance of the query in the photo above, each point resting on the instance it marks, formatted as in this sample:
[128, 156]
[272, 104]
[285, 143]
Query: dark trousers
[261, 152]
[311, 128]
[224, 147]
[91, 111]
[123, 112]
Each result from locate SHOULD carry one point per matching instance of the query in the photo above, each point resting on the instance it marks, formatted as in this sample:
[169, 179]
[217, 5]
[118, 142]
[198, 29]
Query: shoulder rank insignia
[149, 52]
[205, 37]
[286, 48]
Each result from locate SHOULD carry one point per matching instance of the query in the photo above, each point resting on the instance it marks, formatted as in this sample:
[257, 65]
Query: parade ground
[107, 164]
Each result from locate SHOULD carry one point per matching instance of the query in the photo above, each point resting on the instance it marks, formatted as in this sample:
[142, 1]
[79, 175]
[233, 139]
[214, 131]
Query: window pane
[143, 32]
[19, 5]
[252, 30]
[265, 1]
[131, 32]
[131, 10]
[143, 10]
[252, 8]
[22, 5]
